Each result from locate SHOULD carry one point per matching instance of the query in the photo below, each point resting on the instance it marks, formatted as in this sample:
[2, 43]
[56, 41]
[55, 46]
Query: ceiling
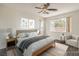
[30, 8]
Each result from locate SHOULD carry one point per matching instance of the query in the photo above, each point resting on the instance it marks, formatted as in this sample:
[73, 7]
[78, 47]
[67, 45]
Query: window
[58, 25]
[41, 27]
[27, 23]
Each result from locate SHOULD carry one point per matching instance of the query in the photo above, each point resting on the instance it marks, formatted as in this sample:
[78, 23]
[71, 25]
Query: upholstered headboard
[25, 31]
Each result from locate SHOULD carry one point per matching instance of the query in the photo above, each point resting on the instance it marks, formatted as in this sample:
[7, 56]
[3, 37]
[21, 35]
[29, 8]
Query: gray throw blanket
[26, 43]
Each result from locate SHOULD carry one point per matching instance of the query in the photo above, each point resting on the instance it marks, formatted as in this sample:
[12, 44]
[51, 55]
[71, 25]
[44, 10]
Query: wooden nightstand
[11, 42]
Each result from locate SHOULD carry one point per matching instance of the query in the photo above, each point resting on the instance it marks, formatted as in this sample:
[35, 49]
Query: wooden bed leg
[54, 45]
[40, 51]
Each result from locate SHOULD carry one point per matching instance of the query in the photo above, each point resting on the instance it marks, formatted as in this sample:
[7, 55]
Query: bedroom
[27, 18]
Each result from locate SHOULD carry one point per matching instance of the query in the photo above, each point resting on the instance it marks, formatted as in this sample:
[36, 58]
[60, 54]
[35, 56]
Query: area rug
[72, 51]
[3, 52]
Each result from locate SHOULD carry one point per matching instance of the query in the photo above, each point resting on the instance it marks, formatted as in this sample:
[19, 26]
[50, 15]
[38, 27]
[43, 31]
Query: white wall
[10, 17]
[6, 18]
[75, 20]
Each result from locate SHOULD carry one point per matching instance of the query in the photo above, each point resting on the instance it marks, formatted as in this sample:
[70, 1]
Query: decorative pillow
[22, 35]
[70, 37]
[33, 34]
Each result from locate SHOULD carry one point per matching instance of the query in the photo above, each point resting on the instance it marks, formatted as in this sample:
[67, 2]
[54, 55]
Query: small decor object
[62, 34]
[9, 30]
[62, 38]
[38, 32]
[10, 35]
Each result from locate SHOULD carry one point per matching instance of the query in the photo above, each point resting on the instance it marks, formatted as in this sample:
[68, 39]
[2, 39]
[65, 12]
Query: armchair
[72, 40]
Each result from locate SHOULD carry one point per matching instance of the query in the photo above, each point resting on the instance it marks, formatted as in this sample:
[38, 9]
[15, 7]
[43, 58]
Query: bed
[36, 48]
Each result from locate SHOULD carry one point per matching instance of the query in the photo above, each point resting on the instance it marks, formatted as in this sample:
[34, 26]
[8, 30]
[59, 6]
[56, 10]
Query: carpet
[72, 51]
[59, 50]
[3, 52]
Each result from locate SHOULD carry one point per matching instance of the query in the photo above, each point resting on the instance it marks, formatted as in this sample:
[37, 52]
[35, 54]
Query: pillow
[33, 34]
[22, 35]
[70, 37]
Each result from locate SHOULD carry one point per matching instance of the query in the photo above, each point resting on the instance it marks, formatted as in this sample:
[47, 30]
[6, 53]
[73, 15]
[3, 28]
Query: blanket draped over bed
[27, 42]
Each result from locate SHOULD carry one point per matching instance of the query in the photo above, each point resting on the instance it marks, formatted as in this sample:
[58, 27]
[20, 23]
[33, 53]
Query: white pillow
[33, 34]
[22, 35]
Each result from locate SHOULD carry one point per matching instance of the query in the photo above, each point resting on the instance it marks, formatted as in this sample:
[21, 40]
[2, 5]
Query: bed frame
[41, 50]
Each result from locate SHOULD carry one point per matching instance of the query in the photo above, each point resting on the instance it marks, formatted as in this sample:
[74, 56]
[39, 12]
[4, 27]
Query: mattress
[37, 45]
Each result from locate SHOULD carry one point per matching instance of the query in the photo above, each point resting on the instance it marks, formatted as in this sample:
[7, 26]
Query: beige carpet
[11, 52]
[59, 50]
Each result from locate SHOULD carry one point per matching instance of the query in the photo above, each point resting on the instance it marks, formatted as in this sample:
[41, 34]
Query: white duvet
[35, 46]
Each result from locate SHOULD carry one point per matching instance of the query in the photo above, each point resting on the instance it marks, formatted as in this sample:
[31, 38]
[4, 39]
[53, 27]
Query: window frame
[51, 30]
[26, 26]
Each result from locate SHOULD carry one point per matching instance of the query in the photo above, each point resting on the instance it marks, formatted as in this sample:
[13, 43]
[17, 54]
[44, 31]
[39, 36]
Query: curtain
[68, 24]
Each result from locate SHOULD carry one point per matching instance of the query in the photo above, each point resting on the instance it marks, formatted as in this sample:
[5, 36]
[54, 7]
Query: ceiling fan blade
[45, 12]
[38, 7]
[52, 9]
[40, 11]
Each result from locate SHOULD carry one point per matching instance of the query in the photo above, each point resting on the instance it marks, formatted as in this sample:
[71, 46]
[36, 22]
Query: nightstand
[11, 42]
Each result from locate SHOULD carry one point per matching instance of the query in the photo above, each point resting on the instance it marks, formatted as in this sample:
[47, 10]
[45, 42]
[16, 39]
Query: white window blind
[27, 23]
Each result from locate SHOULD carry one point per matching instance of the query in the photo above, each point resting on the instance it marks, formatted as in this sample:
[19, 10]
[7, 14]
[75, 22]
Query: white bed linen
[21, 39]
[37, 45]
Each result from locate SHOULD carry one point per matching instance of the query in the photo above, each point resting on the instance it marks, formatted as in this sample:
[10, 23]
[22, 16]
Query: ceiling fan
[44, 8]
